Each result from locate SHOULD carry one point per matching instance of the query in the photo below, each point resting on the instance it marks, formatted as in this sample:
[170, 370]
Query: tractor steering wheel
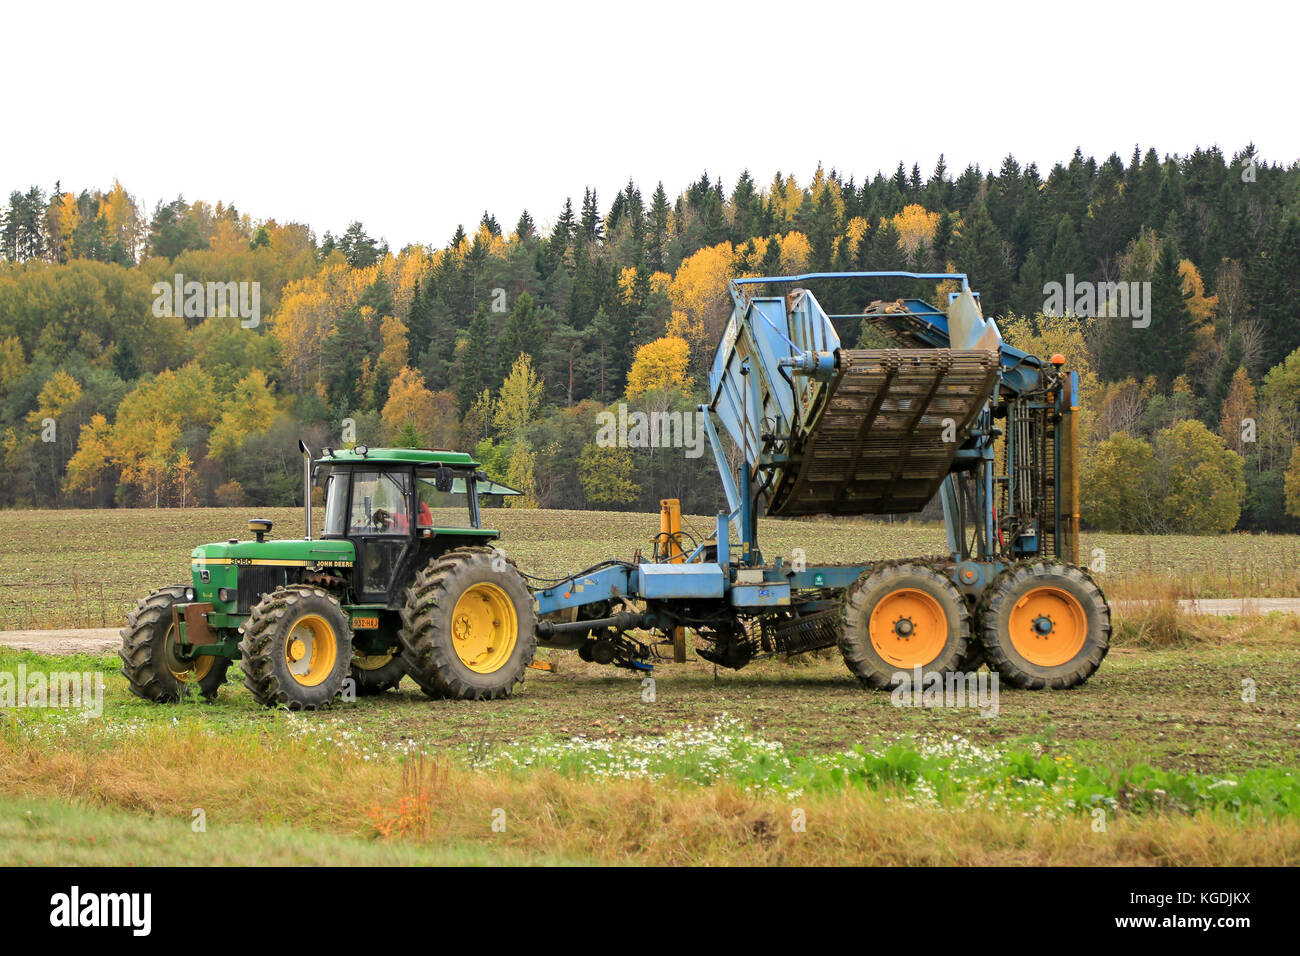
[381, 519]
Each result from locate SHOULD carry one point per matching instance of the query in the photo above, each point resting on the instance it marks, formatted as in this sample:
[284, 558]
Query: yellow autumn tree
[59, 393]
[249, 410]
[795, 253]
[659, 365]
[409, 403]
[521, 474]
[916, 227]
[626, 284]
[854, 230]
[520, 399]
[122, 216]
[393, 334]
[660, 283]
[1238, 407]
[94, 455]
[1201, 306]
[143, 443]
[701, 302]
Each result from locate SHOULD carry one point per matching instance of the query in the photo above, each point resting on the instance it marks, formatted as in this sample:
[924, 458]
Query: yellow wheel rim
[1048, 626]
[372, 662]
[484, 628]
[185, 670]
[908, 628]
[310, 650]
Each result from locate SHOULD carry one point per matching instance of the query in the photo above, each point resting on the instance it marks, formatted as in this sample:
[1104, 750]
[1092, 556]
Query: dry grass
[242, 780]
[1148, 612]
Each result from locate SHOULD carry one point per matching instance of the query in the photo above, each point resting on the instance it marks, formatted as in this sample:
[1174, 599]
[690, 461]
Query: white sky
[413, 118]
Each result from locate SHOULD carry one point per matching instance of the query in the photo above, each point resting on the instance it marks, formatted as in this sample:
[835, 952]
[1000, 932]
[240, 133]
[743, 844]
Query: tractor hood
[302, 554]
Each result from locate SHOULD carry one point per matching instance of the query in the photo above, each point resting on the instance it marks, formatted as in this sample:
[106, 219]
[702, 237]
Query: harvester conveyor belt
[887, 432]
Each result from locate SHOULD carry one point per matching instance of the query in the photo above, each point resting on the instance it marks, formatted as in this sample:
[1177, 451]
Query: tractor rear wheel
[149, 660]
[469, 629]
[1045, 625]
[899, 618]
[376, 673]
[297, 648]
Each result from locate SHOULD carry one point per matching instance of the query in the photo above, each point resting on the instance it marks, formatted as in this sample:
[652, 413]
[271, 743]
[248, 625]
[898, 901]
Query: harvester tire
[469, 629]
[149, 665]
[1045, 625]
[297, 648]
[974, 657]
[901, 617]
[377, 673]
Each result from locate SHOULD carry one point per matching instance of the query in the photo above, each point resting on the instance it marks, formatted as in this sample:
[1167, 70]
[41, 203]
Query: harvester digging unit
[405, 580]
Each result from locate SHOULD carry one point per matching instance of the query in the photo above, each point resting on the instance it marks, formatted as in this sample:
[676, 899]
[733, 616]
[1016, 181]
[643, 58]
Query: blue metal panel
[827, 576]
[588, 589]
[679, 581]
[767, 594]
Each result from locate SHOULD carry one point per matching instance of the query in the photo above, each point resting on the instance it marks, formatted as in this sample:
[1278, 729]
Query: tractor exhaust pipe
[306, 483]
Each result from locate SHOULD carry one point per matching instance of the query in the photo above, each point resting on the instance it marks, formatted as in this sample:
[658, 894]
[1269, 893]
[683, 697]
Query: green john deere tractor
[403, 580]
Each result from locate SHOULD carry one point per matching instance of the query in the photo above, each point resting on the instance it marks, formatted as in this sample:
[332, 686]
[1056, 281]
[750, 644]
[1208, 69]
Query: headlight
[227, 595]
[189, 594]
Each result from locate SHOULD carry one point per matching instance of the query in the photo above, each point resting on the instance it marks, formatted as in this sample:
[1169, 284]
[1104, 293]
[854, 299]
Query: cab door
[380, 527]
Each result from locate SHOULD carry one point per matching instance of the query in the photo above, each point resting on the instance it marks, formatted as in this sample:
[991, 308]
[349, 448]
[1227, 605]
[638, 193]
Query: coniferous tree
[476, 361]
[1168, 340]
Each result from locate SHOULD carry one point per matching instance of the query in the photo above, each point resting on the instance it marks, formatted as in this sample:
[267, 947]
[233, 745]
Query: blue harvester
[821, 429]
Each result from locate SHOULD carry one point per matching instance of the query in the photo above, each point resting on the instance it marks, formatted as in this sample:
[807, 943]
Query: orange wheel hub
[908, 628]
[1048, 626]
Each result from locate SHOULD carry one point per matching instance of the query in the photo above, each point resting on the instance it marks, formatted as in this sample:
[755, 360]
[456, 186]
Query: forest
[171, 357]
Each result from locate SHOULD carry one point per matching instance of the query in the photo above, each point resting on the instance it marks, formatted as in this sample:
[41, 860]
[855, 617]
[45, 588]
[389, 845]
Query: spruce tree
[1168, 340]
[476, 363]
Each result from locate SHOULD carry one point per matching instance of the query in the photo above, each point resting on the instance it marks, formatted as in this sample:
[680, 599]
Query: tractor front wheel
[468, 627]
[297, 648]
[150, 662]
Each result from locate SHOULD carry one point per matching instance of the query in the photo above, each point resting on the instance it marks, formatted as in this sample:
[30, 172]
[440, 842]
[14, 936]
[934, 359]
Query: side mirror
[444, 478]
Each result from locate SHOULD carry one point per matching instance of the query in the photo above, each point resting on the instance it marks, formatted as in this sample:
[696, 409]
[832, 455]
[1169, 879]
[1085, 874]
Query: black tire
[371, 677]
[1055, 582]
[275, 621]
[974, 658]
[428, 628]
[150, 669]
[949, 635]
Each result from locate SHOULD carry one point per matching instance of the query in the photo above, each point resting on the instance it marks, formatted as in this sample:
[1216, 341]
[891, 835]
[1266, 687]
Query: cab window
[379, 503]
[442, 509]
[336, 503]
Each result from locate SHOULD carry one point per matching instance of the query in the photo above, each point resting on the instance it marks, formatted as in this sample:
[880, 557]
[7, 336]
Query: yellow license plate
[365, 623]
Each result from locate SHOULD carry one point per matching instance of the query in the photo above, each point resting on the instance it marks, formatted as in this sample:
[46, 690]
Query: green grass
[52, 832]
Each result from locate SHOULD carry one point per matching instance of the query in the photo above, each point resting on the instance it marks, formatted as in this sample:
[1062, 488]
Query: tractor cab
[400, 507]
